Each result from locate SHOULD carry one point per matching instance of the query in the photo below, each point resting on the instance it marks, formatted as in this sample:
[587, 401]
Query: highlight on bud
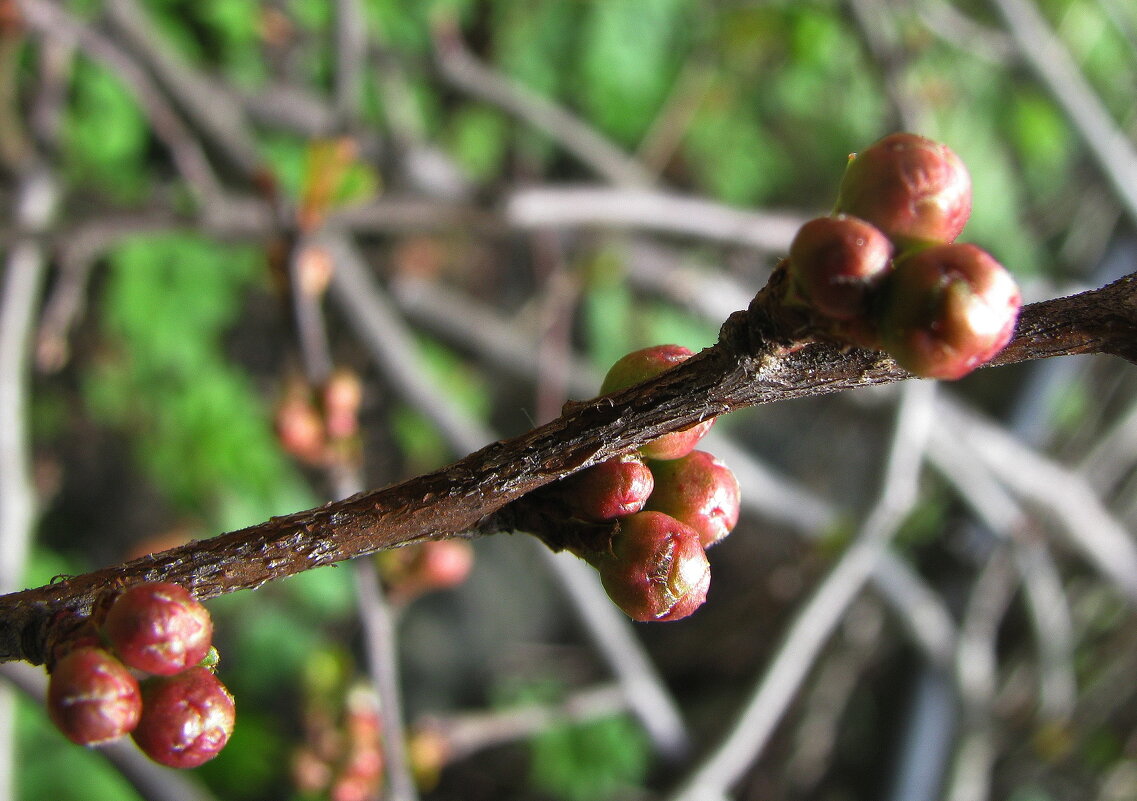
[186, 718]
[640, 365]
[915, 190]
[698, 490]
[158, 627]
[92, 697]
[836, 263]
[948, 310]
[611, 489]
[656, 568]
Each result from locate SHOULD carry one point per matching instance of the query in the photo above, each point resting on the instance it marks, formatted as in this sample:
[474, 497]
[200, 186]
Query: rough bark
[760, 357]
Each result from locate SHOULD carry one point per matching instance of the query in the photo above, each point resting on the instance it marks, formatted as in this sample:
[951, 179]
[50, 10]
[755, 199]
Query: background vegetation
[528, 190]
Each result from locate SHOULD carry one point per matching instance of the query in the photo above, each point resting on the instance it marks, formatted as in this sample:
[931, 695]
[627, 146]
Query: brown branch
[756, 361]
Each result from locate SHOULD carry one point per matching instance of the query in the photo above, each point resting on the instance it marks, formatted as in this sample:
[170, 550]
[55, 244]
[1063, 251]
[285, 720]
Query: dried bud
[915, 190]
[647, 363]
[612, 489]
[700, 491]
[836, 263]
[159, 627]
[948, 309]
[92, 698]
[186, 718]
[656, 569]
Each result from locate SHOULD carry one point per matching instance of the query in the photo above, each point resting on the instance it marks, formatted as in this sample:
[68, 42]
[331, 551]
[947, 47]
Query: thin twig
[377, 324]
[466, 734]
[665, 212]
[812, 626]
[211, 110]
[350, 48]
[757, 360]
[1072, 504]
[50, 21]
[1046, 601]
[459, 68]
[380, 639]
[1046, 54]
[24, 272]
[977, 667]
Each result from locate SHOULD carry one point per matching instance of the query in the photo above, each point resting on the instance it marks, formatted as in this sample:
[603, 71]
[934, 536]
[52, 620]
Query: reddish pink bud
[159, 627]
[92, 698]
[612, 489]
[443, 563]
[948, 310]
[186, 718]
[915, 190]
[300, 429]
[641, 365]
[700, 491]
[837, 263]
[343, 395]
[656, 569]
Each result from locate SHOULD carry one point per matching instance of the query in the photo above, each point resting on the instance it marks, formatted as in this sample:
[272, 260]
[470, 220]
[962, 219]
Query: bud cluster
[665, 505]
[146, 670]
[884, 271]
[342, 755]
[419, 569]
[320, 428]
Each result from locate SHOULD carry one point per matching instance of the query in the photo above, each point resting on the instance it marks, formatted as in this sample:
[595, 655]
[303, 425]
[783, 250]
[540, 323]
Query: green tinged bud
[913, 189]
[656, 569]
[948, 310]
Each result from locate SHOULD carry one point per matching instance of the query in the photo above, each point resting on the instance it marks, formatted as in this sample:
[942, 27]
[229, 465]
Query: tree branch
[759, 358]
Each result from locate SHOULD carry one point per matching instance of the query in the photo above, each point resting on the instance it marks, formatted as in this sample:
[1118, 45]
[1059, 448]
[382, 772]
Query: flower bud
[948, 309]
[837, 262]
[656, 569]
[343, 395]
[92, 698]
[647, 363]
[700, 491]
[612, 489]
[186, 718]
[159, 627]
[915, 190]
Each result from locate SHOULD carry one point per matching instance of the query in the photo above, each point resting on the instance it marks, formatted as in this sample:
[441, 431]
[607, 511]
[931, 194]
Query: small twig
[1044, 51]
[977, 667]
[50, 21]
[757, 360]
[562, 207]
[816, 620]
[467, 734]
[349, 27]
[944, 20]
[25, 269]
[767, 494]
[211, 109]
[1072, 504]
[1049, 611]
[375, 614]
[459, 67]
[378, 326]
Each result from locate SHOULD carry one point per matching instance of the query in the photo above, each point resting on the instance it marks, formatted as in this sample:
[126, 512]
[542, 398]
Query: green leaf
[590, 762]
[197, 426]
[54, 768]
[629, 58]
[104, 133]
